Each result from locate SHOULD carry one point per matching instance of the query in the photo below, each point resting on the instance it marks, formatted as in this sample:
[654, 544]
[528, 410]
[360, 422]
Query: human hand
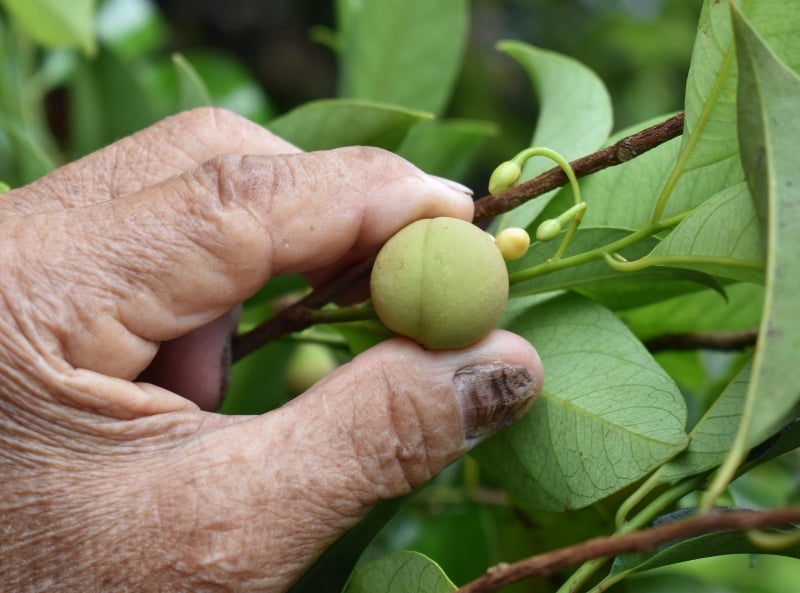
[129, 264]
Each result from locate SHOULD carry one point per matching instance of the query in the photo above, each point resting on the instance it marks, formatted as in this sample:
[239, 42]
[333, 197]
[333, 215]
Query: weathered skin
[121, 274]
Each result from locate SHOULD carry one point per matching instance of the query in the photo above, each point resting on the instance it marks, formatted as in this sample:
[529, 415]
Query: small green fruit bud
[513, 243]
[440, 281]
[504, 176]
[548, 230]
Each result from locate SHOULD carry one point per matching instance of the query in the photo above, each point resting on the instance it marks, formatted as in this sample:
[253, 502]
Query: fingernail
[453, 184]
[493, 396]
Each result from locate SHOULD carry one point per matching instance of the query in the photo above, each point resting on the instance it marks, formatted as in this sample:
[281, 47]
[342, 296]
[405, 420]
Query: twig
[642, 541]
[298, 316]
[733, 340]
[616, 154]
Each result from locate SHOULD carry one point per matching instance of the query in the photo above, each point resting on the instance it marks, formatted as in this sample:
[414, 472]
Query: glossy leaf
[55, 23]
[400, 572]
[405, 52]
[722, 237]
[575, 114]
[608, 413]
[769, 94]
[331, 123]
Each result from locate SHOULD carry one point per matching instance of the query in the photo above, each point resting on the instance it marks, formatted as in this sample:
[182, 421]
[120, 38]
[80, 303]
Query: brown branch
[642, 541]
[732, 340]
[616, 154]
[298, 316]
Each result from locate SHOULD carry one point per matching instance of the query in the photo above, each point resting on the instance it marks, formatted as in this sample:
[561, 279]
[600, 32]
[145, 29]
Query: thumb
[376, 428]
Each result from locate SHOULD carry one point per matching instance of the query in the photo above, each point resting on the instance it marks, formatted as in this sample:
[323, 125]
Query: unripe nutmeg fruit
[441, 281]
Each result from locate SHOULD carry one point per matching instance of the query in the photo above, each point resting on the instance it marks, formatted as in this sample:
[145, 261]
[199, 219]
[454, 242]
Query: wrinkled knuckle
[408, 450]
[226, 201]
[216, 180]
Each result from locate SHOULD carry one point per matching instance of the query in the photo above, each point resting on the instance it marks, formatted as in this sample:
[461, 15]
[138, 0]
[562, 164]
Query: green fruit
[309, 363]
[440, 281]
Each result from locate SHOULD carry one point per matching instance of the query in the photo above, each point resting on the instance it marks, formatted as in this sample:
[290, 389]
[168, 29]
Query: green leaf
[769, 94]
[710, 102]
[230, 84]
[573, 276]
[608, 413]
[445, 148]
[785, 440]
[28, 153]
[192, 91]
[331, 123]
[704, 546]
[711, 438]
[709, 150]
[721, 237]
[406, 52]
[442, 518]
[226, 81]
[332, 570]
[258, 381]
[55, 23]
[400, 572]
[635, 289]
[575, 114]
[622, 196]
[699, 312]
[108, 101]
[131, 27]
[617, 290]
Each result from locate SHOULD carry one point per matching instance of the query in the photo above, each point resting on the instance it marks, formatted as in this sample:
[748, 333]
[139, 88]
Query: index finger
[163, 150]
